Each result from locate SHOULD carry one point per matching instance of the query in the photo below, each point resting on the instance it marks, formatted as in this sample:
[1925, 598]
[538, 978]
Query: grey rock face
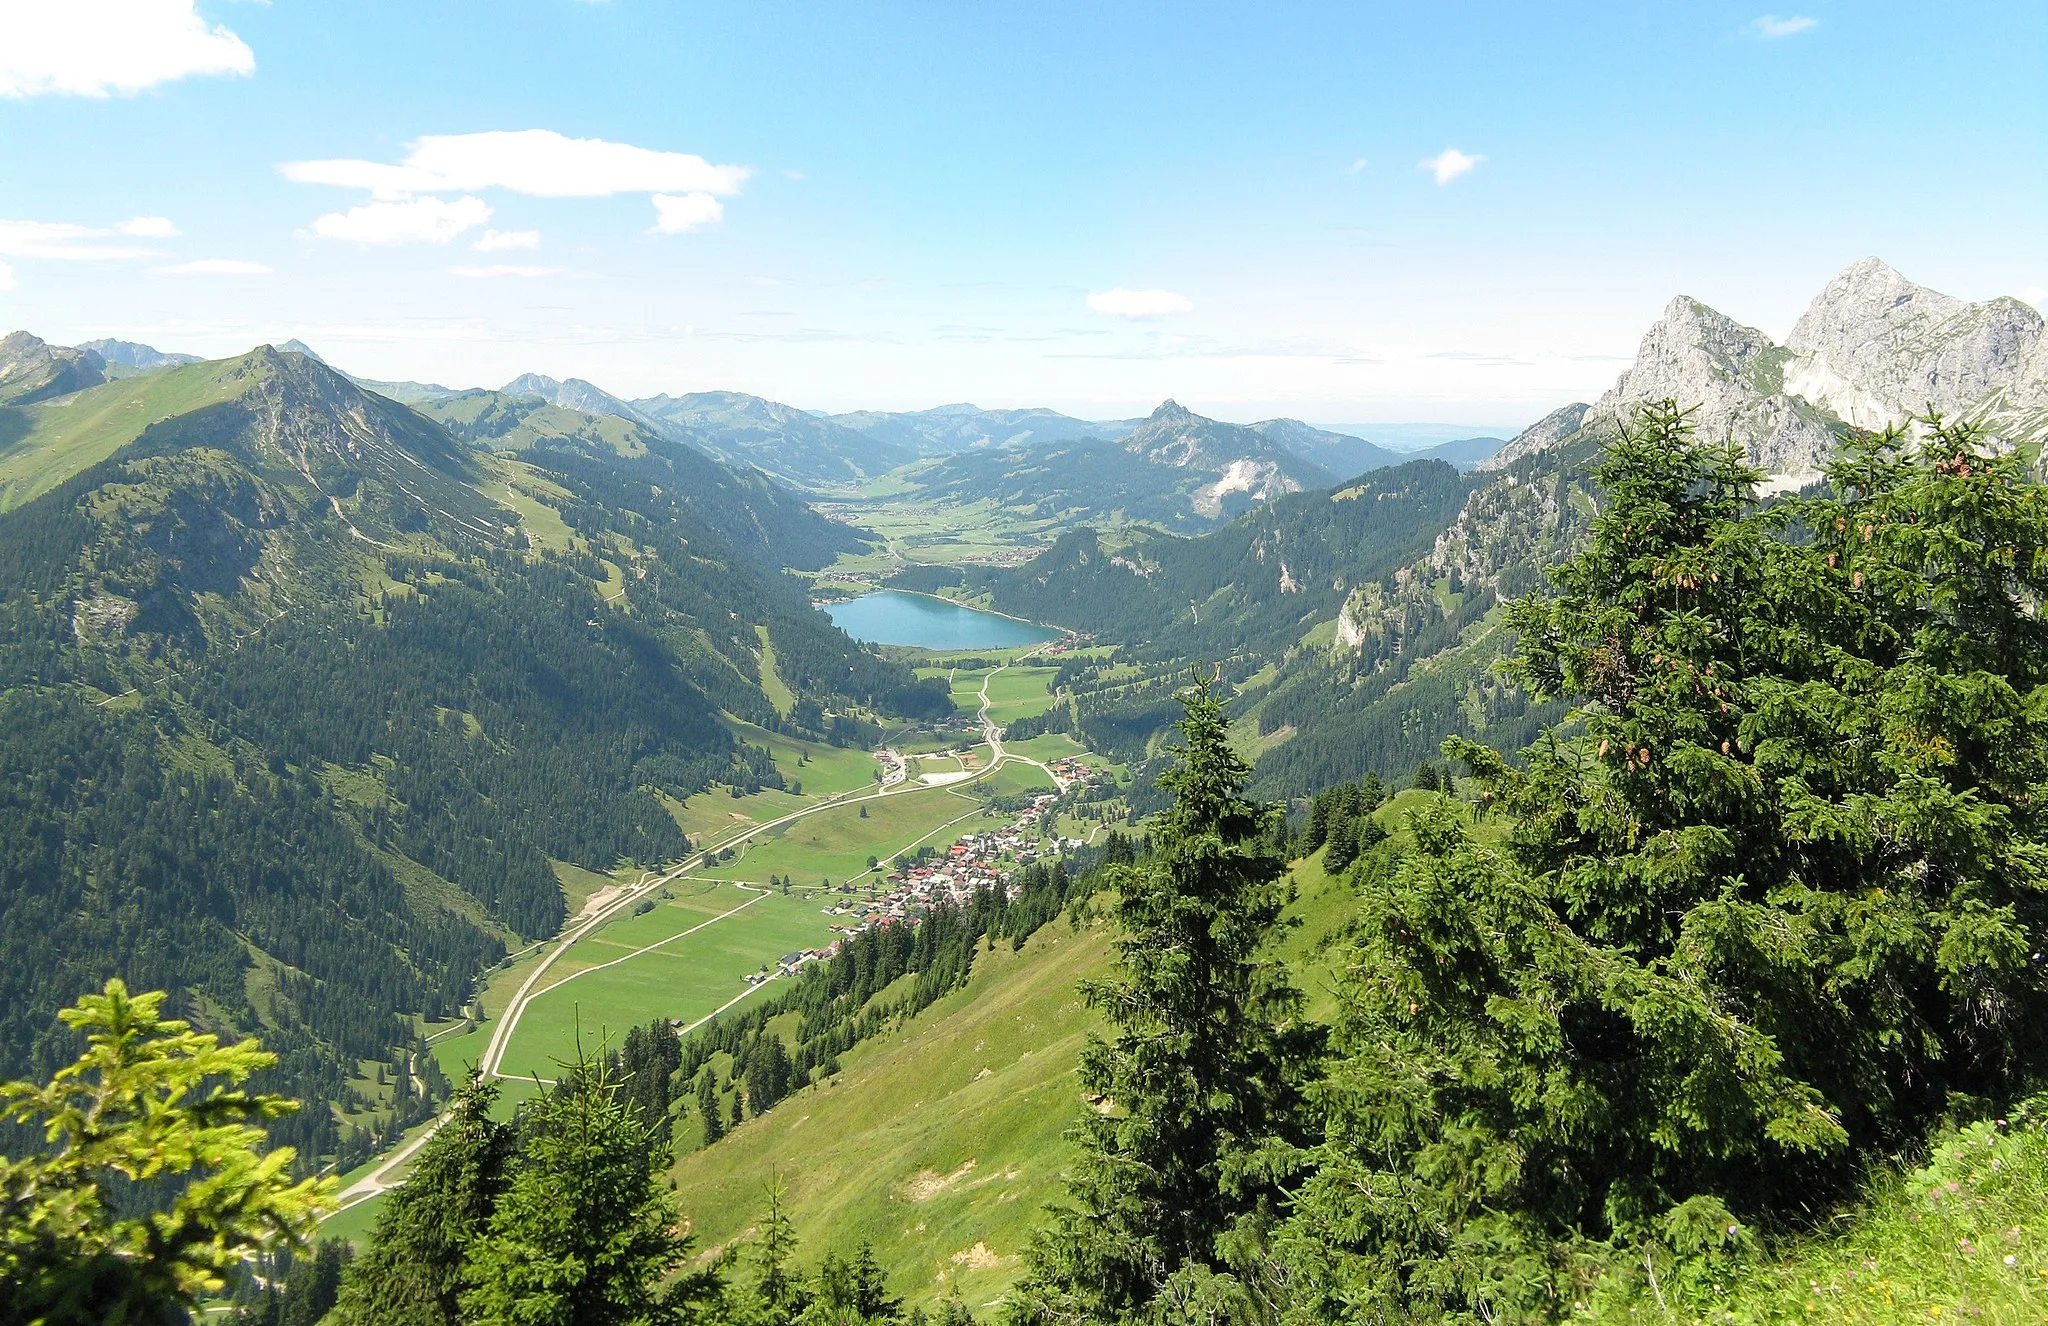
[1732, 377]
[1230, 458]
[1873, 350]
[31, 369]
[1542, 435]
[1878, 348]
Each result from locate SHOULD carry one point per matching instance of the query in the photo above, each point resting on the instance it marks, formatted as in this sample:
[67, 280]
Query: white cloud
[214, 267]
[147, 227]
[1356, 166]
[537, 162]
[498, 241]
[94, 48]
[7, 281]
[680, 215]
[1450, 163]
[1122, 303]
[414, 221]
[1770, 26]
[502, 269]
[63, 241]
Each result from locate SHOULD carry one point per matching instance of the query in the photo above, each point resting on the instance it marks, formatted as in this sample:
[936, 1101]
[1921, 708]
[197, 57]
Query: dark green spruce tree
[1197, 1092]
[1773, 902]
[585, 1234]
[412, 1272]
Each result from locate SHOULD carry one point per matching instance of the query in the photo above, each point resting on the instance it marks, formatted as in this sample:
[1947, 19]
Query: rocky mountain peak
[1171, 411]
[532, 384]
[31, 369]
[1877, 349]
[1865, 299]
[133, 354]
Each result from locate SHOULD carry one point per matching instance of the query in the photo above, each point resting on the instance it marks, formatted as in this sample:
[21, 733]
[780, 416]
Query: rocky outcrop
[1733, 379]
[31, 369]
[1873, 350]
[1229, 461]
[1877, 349]
[1542, 435]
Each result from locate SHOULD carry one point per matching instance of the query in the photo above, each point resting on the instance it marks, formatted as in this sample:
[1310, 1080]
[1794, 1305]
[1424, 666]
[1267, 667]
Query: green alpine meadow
[1022, 665]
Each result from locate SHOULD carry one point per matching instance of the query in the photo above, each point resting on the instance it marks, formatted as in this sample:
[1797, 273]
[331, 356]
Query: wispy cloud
[99, 48]
[1356, 166]
[64, 242]
[415, 221]
[1770, 27]
[1122, 303]
[502, 269]
[537, 162]
[1450, 163]
[502, 241]
[214, 267]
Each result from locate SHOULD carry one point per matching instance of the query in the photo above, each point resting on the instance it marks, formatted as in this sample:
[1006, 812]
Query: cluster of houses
[974, 862]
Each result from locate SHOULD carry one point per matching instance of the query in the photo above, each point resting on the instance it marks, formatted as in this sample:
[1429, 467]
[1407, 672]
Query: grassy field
[966, 683]
[772, 684]
[702, 968]
[835, 844]
[1963, 1238]
[44, 444]
[1052, 746]
[822, 770]
[1020, 692]
[1014, 778]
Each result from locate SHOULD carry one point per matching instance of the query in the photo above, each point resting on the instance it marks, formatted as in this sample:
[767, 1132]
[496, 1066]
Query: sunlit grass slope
[941, 1141]
[44, 444]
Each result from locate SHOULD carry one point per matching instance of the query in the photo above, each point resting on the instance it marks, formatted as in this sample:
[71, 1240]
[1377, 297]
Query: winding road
[382, 1177]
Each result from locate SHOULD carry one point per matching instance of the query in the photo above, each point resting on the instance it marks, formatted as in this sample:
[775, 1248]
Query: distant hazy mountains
[951, 429]
[1872, 349]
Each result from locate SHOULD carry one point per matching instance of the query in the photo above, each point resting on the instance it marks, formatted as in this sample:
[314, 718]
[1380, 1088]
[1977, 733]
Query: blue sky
[1090, 206]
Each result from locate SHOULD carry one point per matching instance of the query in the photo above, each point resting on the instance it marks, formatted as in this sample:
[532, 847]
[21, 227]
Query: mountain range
[311, 696]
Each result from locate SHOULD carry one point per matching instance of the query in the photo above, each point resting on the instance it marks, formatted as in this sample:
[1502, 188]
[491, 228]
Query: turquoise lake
[892, 617]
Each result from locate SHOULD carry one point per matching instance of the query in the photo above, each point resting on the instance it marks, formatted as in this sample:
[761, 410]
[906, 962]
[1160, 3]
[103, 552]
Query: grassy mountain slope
[44, 443]
[942, 1139]
[751, 512]
[305, 696]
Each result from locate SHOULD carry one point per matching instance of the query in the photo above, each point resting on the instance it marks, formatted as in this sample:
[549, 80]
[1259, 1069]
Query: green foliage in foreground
[1963, 1237]
[1768, 911]
[150, 1102]
[1202, 1077]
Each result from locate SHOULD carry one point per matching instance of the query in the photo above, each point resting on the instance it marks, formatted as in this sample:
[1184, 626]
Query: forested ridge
[298, 717]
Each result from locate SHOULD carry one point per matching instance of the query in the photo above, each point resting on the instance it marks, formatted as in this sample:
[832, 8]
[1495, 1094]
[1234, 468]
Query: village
[922, 879]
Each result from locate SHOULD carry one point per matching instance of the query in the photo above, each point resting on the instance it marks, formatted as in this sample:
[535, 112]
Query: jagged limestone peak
[1876, 348]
